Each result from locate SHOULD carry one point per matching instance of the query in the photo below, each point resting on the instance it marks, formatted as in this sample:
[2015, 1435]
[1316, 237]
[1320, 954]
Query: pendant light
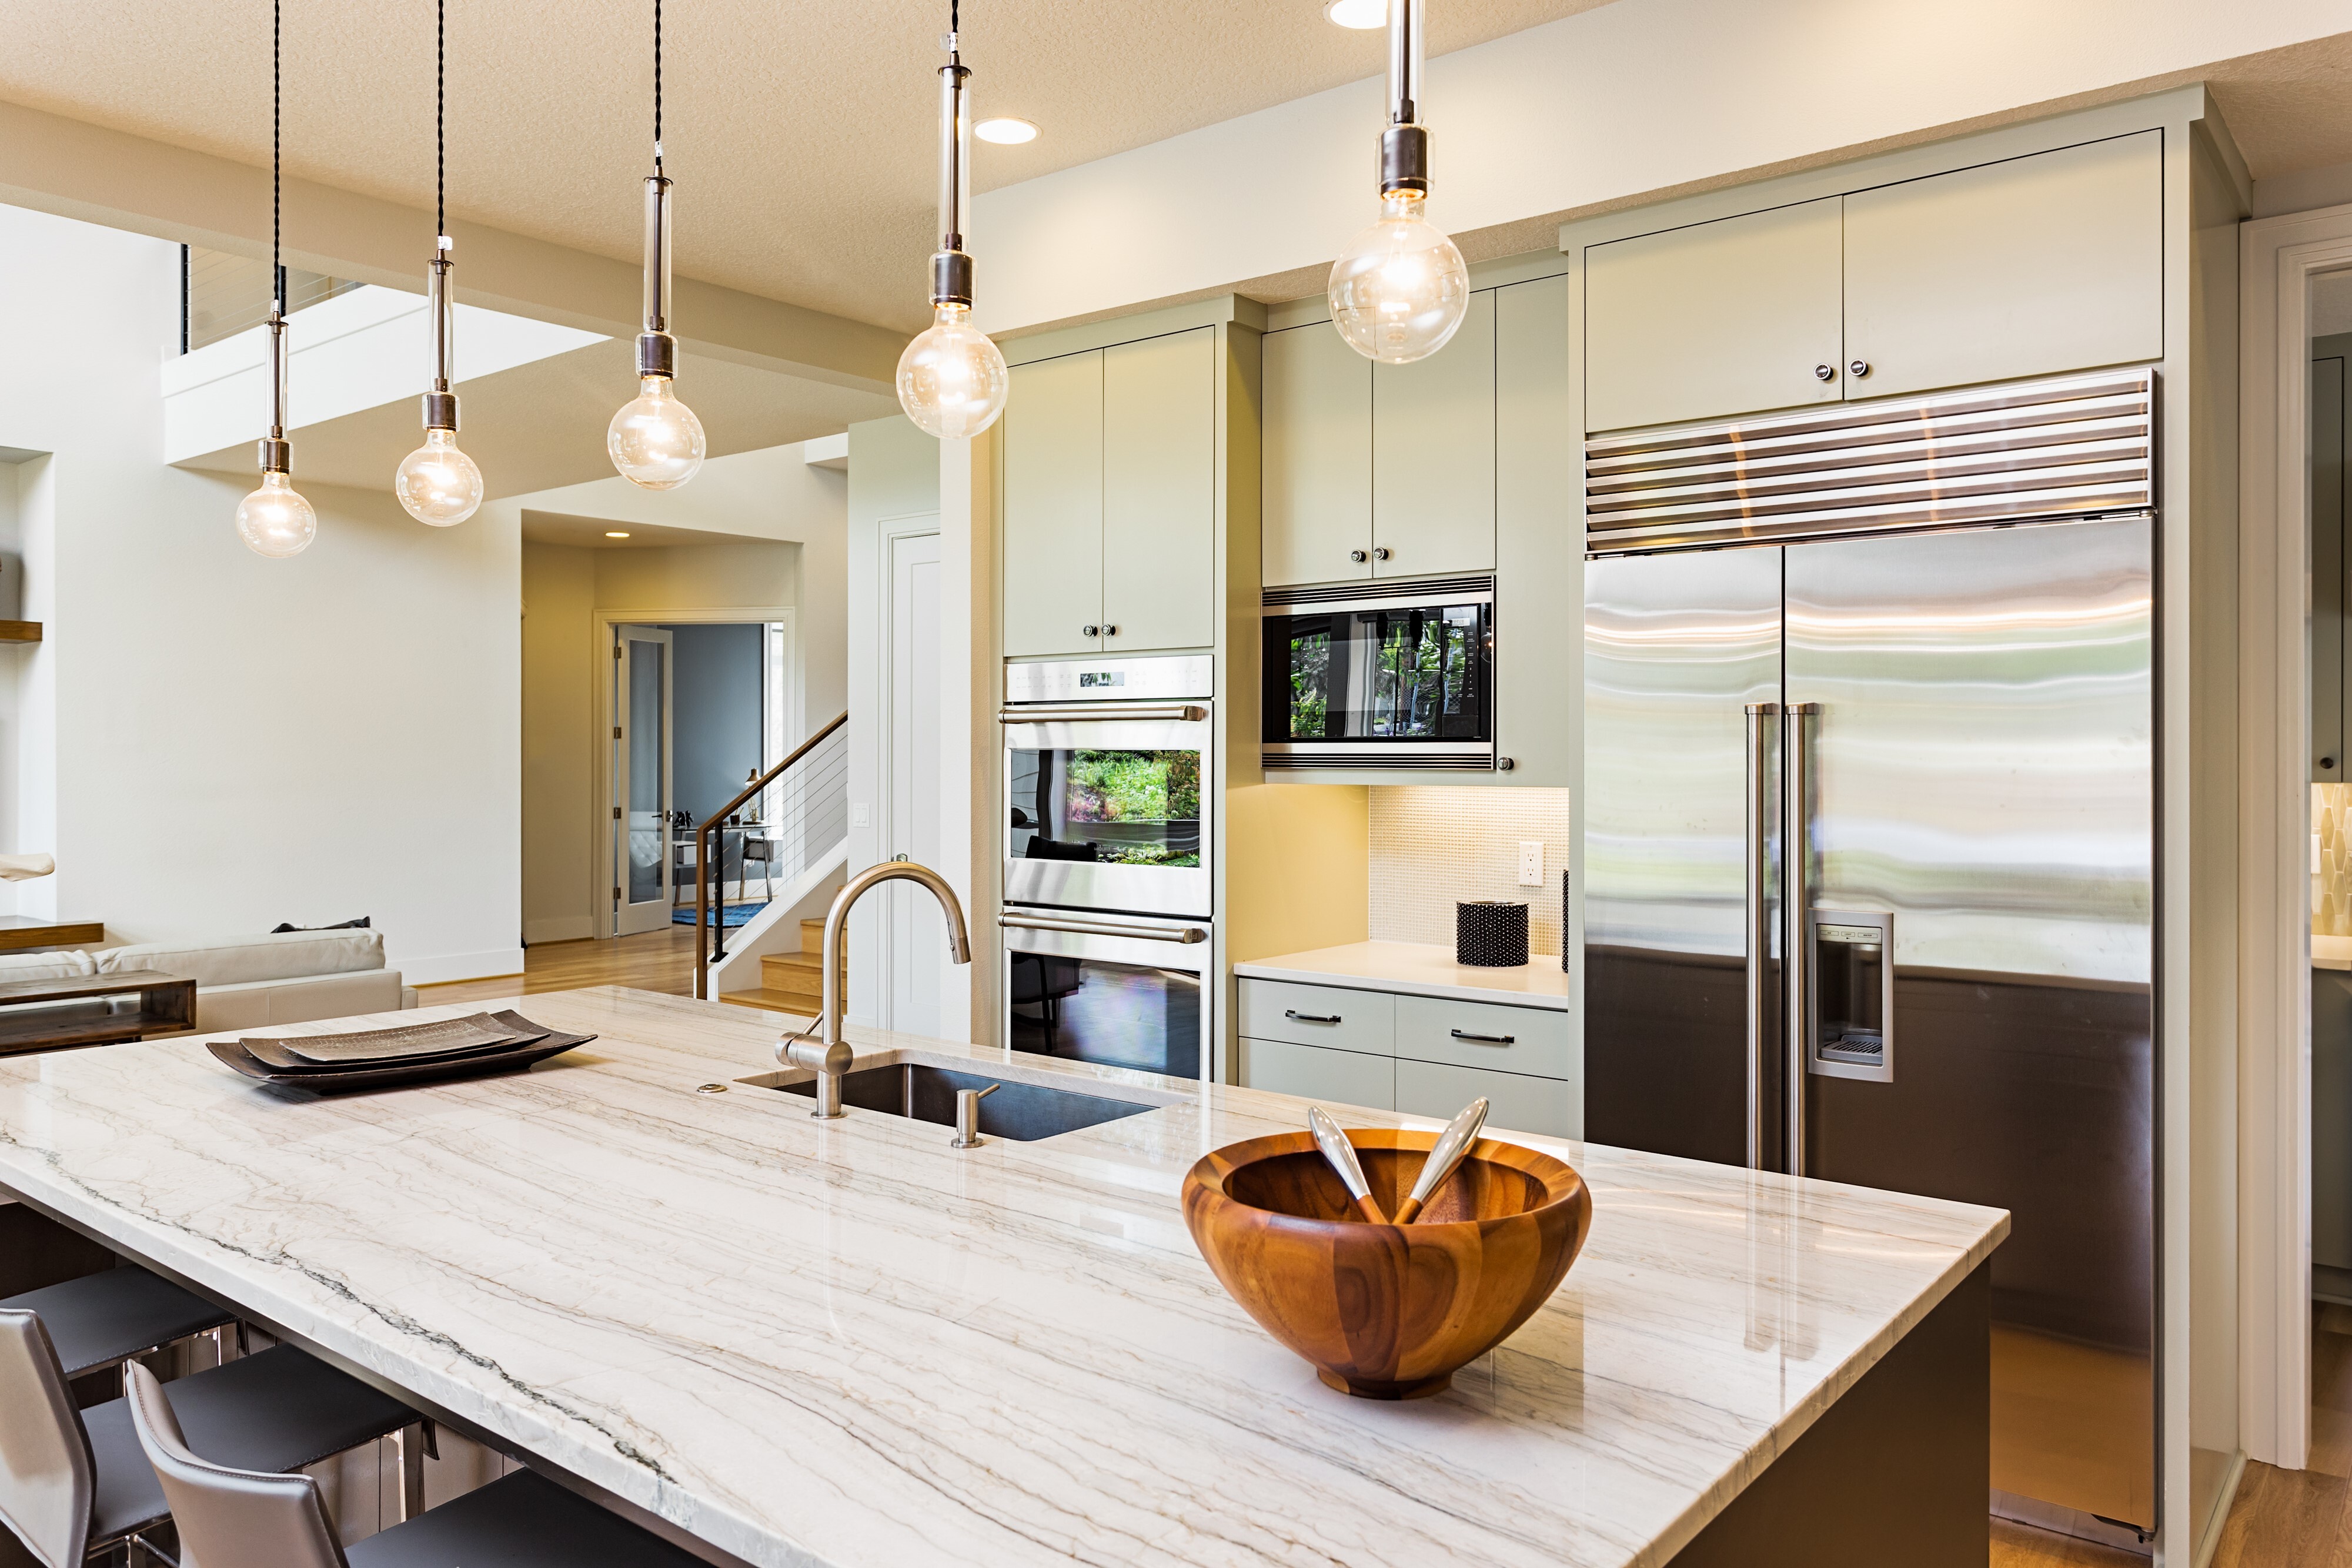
[952, 380]
[275, 521]
[437, 483]
[1399, 290]
[654, 441]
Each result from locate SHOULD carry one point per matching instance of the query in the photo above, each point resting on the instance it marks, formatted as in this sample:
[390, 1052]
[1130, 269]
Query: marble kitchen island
[849, 1344]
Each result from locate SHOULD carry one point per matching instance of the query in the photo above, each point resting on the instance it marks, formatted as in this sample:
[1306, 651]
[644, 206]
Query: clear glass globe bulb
[654, 441]
[275, 521]
[437, 483]
[1399, 290]
[952, 380]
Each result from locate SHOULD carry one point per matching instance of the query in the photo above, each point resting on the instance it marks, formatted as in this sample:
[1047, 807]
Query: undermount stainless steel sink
[1022, 1111]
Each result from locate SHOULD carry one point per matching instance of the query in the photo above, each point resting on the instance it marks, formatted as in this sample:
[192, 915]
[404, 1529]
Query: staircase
[793, 982]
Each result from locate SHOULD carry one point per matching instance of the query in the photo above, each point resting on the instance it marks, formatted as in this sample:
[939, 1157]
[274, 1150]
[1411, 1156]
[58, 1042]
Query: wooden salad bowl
[1386, 1311]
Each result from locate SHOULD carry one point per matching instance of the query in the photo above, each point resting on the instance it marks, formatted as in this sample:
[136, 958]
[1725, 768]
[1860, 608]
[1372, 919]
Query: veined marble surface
[849, 1344]
[1418, 969]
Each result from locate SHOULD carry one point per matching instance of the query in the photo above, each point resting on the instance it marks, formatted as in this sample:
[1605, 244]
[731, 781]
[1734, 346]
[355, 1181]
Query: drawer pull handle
[1486, 1039]
[1311, 1018]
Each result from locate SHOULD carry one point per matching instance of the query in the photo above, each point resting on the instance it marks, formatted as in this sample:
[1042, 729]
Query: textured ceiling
[801, 133]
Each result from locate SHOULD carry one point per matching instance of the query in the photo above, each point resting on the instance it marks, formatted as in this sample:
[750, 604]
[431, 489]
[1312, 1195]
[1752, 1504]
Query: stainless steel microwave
[1389, 675]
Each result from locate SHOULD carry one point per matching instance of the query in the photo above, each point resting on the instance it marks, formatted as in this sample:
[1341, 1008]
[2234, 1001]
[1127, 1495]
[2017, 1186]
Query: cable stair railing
[805, 812]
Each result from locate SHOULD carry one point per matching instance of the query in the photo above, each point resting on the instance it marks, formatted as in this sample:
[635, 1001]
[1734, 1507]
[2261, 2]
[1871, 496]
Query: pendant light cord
[657, 87]
[955, 32]
[276, 176]
[440, 118]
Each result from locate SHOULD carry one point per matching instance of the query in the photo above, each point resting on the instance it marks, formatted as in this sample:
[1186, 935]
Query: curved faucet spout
[824, 1052]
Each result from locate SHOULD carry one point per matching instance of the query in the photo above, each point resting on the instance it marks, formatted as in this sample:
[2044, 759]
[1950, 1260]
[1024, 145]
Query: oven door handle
[1187, 934]
[1186, 713]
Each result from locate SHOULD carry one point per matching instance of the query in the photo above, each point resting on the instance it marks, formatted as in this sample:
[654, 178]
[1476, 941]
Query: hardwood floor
[2282, 1518]
[651, 961]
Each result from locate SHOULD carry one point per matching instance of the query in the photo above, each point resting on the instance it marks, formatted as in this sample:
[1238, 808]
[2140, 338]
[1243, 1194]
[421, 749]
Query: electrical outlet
[1531, 863]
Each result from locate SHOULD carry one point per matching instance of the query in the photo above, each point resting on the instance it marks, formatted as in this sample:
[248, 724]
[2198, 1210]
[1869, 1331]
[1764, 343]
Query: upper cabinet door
[1158, 490]
[1714, 319]
[1433, 455]
[1317, 458]
[1053, 506]
[2050, 263]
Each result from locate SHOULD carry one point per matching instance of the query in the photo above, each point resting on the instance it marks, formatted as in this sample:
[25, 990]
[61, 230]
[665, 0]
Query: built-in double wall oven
[1380, 674]
[1109, 794]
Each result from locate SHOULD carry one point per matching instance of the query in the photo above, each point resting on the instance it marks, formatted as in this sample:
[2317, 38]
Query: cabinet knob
[1824, 373]
[1379, 552]
[2328, 762]
[1109, 630]
[1860, 368]
[1358, 557]
[1089, 631]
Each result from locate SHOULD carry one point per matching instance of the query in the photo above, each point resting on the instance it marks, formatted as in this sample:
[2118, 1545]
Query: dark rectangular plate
[473, 1036]
[378, 1076]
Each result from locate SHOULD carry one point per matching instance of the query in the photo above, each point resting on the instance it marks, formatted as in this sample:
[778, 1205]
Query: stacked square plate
[412, 1054]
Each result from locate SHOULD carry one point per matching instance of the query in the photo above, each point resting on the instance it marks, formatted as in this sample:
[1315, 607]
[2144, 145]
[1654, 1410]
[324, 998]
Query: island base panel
[1897, 1471]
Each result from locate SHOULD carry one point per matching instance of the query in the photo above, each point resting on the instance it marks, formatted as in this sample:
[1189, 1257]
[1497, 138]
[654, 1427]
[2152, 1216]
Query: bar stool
[103, 1320]
[261, 1520]
[74, 1482]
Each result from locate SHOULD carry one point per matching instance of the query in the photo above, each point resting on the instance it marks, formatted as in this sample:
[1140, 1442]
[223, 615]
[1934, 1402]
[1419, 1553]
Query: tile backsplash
[2331, 886]
[1431, 845]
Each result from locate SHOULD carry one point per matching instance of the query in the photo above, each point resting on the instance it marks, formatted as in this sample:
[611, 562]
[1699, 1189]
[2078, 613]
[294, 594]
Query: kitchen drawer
[1334, 1077]
[1276, 1009]
[1509, 1040]
[1515, 1104]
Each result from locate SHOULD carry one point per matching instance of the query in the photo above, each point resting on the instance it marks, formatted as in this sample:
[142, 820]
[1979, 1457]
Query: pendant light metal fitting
[657, 347]
[1404, 145]
[276, 454]
[441, 403]
[951, 280]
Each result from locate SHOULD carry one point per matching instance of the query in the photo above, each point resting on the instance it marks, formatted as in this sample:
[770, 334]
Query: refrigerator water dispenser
[1854, 995]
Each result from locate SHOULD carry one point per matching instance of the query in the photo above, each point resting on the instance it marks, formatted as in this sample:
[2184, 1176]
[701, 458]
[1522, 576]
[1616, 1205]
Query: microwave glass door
[1358, 674]
[1122, 806]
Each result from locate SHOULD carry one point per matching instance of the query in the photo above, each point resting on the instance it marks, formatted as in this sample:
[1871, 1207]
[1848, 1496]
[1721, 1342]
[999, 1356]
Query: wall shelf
[20, 631]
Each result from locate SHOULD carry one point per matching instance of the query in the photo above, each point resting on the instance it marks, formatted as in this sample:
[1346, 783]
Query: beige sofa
[245, 982]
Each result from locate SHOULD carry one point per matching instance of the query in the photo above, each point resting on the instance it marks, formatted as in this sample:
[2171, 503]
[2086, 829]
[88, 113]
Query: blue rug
[736, 914]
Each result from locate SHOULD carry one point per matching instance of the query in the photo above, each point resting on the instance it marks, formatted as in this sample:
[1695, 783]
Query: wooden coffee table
[77, 1011]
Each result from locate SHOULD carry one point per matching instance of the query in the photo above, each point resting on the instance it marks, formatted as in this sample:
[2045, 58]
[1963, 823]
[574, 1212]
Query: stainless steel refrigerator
[1869, 850]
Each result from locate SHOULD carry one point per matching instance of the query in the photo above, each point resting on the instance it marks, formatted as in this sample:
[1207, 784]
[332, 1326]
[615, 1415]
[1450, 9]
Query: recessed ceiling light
[616, 533]
[1006, 131]
[1362, 15]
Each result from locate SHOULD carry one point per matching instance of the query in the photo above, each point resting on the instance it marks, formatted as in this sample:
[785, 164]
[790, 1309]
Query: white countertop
[845, 1343]
[2331, 952]
[1418, 969]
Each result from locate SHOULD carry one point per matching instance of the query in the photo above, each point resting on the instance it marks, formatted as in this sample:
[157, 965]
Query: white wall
[1606, 107]
[213, 742]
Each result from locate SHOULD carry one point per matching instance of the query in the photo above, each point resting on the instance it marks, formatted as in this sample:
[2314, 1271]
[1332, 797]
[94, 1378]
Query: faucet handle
[811, 1051]
[967, 1116]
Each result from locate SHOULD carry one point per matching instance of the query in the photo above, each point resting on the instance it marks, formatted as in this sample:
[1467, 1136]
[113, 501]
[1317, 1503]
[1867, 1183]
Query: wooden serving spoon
[1452, 1144]
[1342, 1155]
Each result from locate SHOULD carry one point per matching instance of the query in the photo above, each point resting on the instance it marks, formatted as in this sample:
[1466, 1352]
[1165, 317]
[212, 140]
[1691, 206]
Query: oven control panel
[1111, 680]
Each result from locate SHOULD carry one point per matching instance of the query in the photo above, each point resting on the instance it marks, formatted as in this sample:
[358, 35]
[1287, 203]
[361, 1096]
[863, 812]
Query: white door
[643, 883]
[917, 937]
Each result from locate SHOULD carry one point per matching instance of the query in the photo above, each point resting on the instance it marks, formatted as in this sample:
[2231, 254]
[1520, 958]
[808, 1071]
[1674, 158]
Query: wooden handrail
[701, 852]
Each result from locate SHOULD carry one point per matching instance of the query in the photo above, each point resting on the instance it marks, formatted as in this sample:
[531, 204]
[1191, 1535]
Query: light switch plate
[857, 815]
[1531, 863]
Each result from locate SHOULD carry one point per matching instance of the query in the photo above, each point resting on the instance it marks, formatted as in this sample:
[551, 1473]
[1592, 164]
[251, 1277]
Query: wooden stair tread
[771, 1001]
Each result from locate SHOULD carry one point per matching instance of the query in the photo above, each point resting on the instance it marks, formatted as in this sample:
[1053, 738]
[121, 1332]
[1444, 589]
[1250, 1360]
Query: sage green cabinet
[1053, 507]
[1375, 470]
[2026, 267]
[1110, 500]
[1714, 319]
[2032, 265]
[1317, 467]
[1433, 455]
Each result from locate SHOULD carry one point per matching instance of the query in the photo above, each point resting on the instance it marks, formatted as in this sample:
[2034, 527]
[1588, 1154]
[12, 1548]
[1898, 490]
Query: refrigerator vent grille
[1404, 591]
[2070, 446]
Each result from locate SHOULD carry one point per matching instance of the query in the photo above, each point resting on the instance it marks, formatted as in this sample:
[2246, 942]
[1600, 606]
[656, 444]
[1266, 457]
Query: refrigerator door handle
[1762, 719]
[1796, 897]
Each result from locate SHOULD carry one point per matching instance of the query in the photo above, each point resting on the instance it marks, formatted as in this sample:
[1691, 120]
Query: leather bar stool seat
[257, 1519]
[107, 1317]
[74, 1482]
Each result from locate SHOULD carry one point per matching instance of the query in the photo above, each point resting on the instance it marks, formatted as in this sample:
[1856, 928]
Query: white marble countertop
[2331, 952]
[847, 1344]
[1418, 969]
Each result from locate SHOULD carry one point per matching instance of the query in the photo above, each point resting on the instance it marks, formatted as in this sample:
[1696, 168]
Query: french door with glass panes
[646, 865]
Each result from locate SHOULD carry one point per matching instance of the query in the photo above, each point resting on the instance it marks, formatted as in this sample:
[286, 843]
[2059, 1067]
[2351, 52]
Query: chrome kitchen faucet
[826, 1053]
